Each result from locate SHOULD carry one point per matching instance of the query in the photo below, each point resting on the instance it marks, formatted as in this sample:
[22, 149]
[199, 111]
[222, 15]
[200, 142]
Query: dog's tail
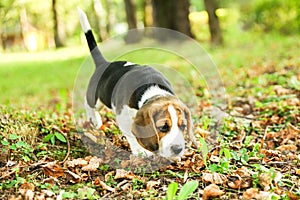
[86, 27]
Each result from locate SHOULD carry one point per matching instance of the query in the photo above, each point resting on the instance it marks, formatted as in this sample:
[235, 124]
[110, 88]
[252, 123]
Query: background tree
[130, 8]
[172, 14]
[213, 21]
[56, 31]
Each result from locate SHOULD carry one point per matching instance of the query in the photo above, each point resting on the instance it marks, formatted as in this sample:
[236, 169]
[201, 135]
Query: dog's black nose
[176, 149]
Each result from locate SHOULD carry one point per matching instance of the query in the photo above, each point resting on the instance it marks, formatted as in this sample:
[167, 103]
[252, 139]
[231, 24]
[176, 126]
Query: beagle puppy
[147, 111]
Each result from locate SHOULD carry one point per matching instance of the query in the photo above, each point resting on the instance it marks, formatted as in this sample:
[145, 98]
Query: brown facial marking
[182, 119]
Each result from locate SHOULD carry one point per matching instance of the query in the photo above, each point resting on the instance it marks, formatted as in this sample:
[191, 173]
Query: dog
[147, 111]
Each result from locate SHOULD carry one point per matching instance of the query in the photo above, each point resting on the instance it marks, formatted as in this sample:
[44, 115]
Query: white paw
[96, 120]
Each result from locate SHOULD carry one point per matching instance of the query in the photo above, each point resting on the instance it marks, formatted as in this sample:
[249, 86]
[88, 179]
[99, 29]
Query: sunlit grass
[30, 79]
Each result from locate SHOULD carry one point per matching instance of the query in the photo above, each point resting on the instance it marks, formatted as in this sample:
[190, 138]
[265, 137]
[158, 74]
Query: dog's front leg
[92, 115]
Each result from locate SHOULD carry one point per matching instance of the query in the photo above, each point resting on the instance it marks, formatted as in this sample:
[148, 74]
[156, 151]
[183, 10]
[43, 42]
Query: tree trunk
[213, 21]
[133, 36]
[172, 14]
[161, 15]
[130, 9]
[182, 23]
[57, 39]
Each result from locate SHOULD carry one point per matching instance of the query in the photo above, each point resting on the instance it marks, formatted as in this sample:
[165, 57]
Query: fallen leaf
[48, 193]
[240, 183]
[121, 173]
[29, 195]
[215, 178]
[97, 181]
[27, 186]
[93, 165]
[211, 191]
[293, 196]
[106, 187]
[151, 184]
[53, 169]
[126, 187]
[254, 193]
[287, 147]
[265, 180]
[77, 162]
[250, 193]
[279, 90]
[72, 177]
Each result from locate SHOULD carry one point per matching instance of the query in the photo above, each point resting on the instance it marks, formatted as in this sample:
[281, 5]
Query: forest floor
[255, 155]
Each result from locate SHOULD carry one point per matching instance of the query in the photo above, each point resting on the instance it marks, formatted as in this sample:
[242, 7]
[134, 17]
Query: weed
[174, 174]
[17, 147]
[137, 184]
[111, 181]
[187, 189]
[53, 136]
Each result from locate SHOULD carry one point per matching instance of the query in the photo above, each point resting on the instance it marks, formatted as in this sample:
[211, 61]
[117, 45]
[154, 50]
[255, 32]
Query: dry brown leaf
[294, 101]
[293, 196]
[151, 184]
[48, 193]
[80, 162]
[97, 181]
[106, 187]
[298, 171]
[254, 193]
[50, 181]
[211, 191]
[240, 183]
[243, 172]
[93, 165]
[250, 193]
[126, 187]
[265, 180]
[287, 147]
[72, 177]
[29, 195]
[215, 178]
[278, 177]
[27, 186]
[121, 173]
[279, 90]
[53, 169]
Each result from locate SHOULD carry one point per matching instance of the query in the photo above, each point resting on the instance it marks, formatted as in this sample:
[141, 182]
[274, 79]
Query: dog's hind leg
[93, 115]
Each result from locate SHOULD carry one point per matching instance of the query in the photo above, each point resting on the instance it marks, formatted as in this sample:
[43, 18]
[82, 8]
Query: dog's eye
[165, 128]
[182, 127]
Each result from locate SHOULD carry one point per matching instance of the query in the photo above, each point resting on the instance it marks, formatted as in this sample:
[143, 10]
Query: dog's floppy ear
[188, 116]
[144, 129]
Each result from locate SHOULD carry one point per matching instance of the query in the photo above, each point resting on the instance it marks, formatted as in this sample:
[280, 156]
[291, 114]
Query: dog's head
[160, 124]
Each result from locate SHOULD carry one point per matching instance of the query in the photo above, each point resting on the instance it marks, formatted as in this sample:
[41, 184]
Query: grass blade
[187, 189]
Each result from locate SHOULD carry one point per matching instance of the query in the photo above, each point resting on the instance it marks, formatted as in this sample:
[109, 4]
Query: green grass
[36, 78]
[29, 79]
